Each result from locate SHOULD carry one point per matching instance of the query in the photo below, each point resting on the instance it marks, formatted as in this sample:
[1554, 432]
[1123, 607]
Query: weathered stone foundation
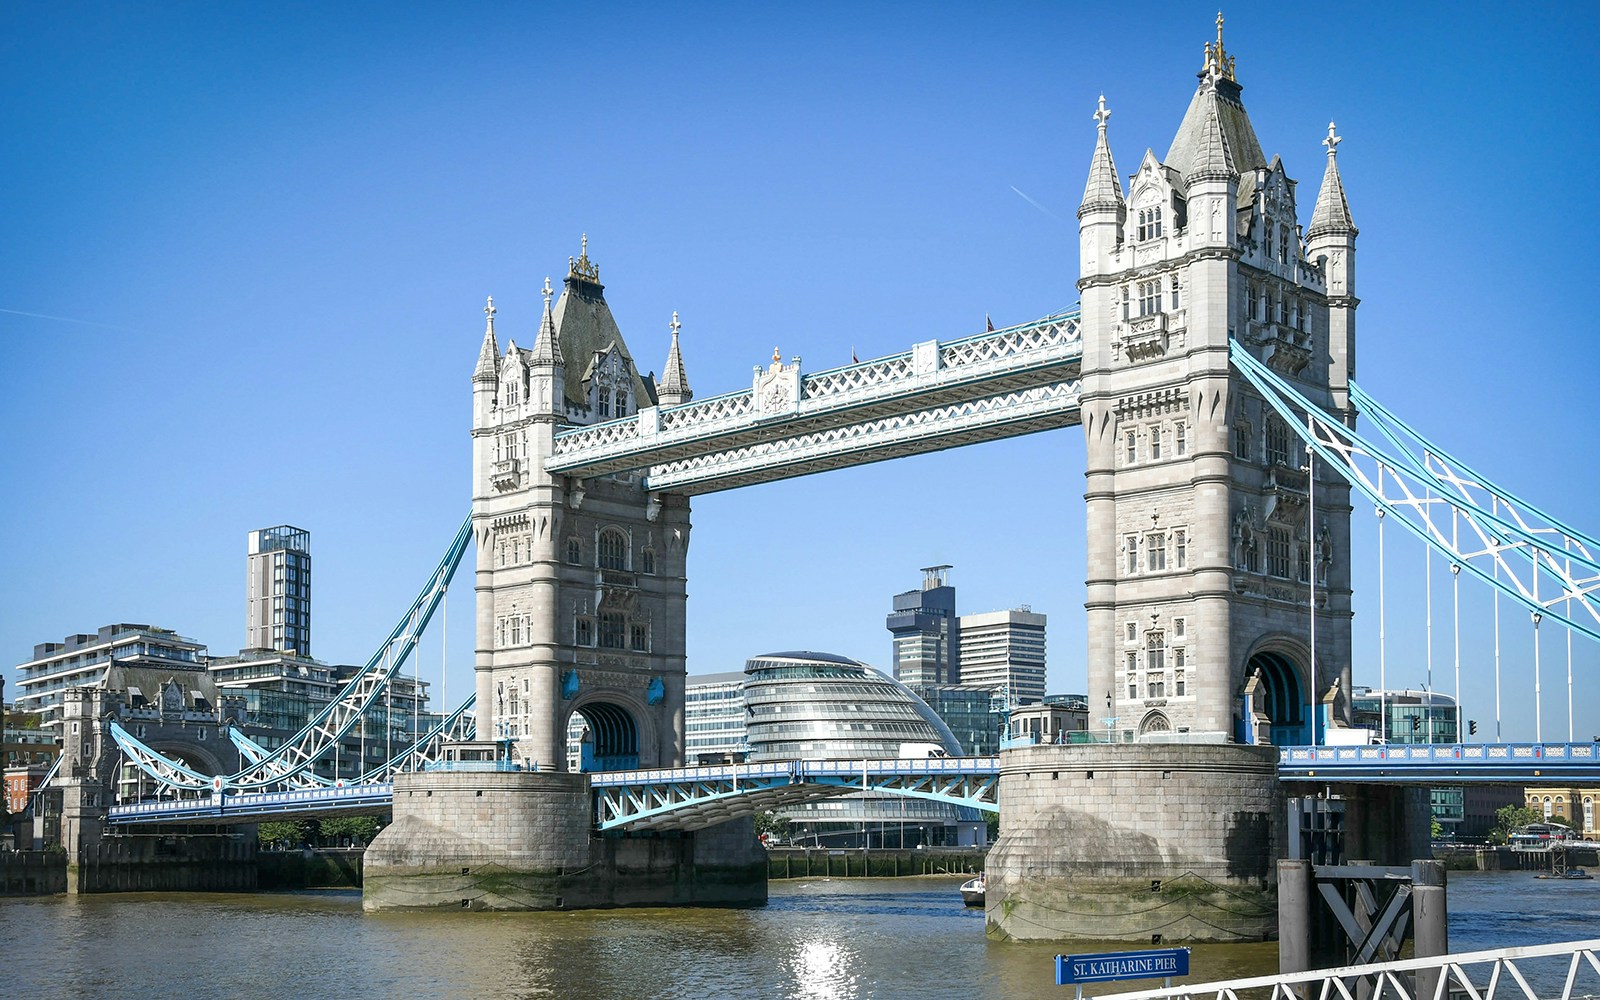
[1125, 842]
[524, 840]
[156, 863]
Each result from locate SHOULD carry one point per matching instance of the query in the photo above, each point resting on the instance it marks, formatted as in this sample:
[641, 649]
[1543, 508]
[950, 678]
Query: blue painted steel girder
[1442, 763]
[694, 798]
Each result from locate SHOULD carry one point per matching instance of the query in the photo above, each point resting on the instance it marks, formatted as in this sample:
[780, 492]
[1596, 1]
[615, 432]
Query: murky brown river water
[825, 940]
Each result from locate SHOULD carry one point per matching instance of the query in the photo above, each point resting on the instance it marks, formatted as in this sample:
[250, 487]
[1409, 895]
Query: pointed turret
[1103, 211]
[1212, 157]
[1332, 214]
[1216, 104]
[547, 371]
[489, 354]
[486, 376]
[1104, 190]
[674, 388]
[547, 346]
[1331, 246]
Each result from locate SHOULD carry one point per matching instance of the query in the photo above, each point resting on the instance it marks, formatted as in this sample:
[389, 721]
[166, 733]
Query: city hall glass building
[820, 706]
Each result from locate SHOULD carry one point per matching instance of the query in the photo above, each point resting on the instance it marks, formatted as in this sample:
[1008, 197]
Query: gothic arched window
[613, 549]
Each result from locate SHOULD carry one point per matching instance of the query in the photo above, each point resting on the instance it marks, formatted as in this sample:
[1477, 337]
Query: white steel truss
[1001, 383]
[1551, 569]
[1479, 975]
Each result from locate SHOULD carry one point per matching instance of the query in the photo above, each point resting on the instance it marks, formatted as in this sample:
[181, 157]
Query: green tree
[357, 830]
[769, 824]
[1508, 819]
[278, 835]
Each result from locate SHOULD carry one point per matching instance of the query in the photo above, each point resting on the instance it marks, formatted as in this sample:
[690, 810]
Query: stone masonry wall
[1125, 842]
[526, 841]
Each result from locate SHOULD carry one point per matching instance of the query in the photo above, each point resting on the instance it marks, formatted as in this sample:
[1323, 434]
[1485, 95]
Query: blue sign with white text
[1157, 963]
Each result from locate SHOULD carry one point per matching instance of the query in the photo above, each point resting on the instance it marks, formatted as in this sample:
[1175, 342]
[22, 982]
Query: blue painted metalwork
[1455, 763]
[253, 807]
[1509, 544]
[691, 798]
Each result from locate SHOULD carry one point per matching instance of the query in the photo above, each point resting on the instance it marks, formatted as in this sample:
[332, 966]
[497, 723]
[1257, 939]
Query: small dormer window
[1283, 244]
[513, 393]
[605, 403]
[1149, 223]
[622, 402]
[1266, 238]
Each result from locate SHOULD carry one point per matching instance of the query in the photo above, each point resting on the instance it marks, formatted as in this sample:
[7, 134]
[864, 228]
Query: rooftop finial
[489, 311]
[582, 268]
[1103, 115]
[1332, 141]
[676, 326]
[548, 291]
[1219, 65]
[776, 357]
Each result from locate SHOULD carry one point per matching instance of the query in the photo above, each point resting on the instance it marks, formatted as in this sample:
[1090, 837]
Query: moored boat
[972, 891]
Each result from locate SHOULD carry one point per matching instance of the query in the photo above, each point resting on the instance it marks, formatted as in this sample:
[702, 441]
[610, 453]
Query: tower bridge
[1210, 364]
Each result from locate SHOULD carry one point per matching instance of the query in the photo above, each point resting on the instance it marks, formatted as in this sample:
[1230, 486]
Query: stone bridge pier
[102, 858]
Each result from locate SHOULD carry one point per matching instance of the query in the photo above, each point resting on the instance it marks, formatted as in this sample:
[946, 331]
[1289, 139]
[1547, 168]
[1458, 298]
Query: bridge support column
[525, 840]
[1135, 842]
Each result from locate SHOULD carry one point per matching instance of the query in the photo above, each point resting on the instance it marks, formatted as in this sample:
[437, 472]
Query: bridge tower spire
[674, 383]
[1331, 247]
[1200, 553]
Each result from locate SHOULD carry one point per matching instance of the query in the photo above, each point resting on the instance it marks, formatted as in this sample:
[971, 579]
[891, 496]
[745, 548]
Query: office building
[714, 718]
[278, 590]
[1004, 651]
[144, 660]
[927, 634]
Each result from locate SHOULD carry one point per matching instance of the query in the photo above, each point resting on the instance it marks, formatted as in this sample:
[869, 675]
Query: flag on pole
[853, 359]
[988, 323]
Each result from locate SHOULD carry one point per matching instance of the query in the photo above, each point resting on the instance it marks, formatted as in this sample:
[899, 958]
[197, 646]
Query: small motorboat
[972, 891]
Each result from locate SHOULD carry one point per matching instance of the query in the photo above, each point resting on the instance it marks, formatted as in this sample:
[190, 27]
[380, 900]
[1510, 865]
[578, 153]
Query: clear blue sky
[246, 247]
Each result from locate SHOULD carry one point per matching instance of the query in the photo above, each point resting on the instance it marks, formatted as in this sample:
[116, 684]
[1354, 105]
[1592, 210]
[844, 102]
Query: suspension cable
[1538, 701]
[1383, 635]
[1455, 600]
[1427, 577]
[1496, 543]
[1311, 530]
[1570, 737]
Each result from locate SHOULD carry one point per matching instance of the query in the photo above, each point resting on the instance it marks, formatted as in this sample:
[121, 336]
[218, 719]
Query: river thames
[818, 939]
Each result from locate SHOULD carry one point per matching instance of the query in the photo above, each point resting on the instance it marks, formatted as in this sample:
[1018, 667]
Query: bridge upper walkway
[937, 395]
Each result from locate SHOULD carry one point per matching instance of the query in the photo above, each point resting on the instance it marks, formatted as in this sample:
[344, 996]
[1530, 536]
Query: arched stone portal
[1281, 697]
[608, 739]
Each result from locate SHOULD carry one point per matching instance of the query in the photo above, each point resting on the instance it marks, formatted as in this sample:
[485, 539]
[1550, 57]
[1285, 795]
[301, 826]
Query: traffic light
[1472, 727]
[1416, 723]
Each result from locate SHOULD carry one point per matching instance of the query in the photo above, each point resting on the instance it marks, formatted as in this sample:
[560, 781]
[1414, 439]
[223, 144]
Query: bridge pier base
[1136, 842]
[525, 840]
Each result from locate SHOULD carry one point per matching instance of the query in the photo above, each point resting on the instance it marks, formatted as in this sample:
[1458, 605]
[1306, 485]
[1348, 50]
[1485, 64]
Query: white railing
[1478, 975]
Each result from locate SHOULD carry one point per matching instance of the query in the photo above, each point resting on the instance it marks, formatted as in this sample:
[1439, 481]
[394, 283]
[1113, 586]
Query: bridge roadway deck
[695, 797]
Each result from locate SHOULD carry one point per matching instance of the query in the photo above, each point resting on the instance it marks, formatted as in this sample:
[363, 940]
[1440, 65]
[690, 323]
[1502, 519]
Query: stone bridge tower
[580, 583]
[1203, 550]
